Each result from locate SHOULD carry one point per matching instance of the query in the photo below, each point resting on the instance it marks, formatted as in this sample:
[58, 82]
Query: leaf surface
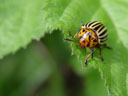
[67, 16]
[24, 73]
[20, 22]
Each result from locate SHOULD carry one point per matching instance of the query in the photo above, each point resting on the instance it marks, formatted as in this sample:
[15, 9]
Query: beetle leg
[71, 35]
[81, 23]
[67, 39]
[105, 46]
[90, 54]
[101, 55]
[76, 35]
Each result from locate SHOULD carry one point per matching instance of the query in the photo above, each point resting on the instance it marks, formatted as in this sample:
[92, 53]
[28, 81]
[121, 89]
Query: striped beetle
[91, 35]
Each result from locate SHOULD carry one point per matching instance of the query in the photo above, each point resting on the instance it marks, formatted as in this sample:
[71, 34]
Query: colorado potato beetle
[91, 35]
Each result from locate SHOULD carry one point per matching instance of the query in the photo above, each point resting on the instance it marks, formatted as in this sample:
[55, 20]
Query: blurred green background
[35, 60]
[46, 68]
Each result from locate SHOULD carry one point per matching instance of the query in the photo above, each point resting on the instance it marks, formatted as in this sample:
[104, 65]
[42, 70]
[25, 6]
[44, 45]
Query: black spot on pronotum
[83, 30]
[83, 41]
[94, 40]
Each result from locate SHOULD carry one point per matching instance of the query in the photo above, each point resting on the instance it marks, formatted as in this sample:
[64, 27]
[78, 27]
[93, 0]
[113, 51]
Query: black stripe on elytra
[103, 32]
[95, 24]
[91, 23]
[104, 37]
[86, 24]
[101, 29]
[97, 27]
[103, 40]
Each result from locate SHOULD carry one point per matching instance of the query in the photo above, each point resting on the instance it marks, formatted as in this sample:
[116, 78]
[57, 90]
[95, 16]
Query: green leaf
[95, 83]
[67, 15]
[56, 85]
[25, 72]
[20, 22]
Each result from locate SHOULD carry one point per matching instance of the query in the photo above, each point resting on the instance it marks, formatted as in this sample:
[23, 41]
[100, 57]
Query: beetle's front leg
[71, 35]
[90, 54]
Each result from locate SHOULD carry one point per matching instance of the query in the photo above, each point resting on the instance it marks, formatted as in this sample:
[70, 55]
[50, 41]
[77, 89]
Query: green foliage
[95, 83]
[67, 15]
[24, 20]
[20, 22]
[22, 74]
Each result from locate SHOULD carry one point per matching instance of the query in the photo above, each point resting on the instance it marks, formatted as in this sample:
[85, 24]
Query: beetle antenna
[68, 39]
[70, 35]
[81, 23]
